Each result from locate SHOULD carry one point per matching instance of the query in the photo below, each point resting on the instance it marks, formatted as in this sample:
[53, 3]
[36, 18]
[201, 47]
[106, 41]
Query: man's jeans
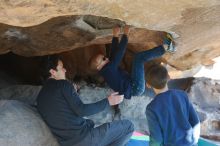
[116, 133]
[137, 74]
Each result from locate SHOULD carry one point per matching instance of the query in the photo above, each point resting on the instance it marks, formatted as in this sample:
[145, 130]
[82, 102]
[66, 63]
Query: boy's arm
[116, 59]
[194, 121]
[193, 117]
[156, 138]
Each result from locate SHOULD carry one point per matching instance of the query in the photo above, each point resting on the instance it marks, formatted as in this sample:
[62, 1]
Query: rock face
[24, 93]
[65, 33]
[91, 94]
[21, 125]
[79, 29]
[205, 94]
[31, 28]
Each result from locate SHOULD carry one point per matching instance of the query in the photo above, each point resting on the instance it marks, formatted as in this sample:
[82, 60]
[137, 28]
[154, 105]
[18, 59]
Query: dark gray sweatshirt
[63, 111]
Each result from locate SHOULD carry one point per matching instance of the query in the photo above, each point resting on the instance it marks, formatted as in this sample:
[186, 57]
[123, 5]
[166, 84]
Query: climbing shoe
[169, 41]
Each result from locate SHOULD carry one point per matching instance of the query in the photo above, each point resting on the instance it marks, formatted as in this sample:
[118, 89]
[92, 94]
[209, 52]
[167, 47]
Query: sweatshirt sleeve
[156, 138]
[193, 120]
[195, 123]
[193, 117]
[116, 59]
[114, 47]
[78, 106]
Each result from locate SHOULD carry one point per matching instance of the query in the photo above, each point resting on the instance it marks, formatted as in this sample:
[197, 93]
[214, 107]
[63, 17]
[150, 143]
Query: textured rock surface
[24, 93]
[91, 94]
[205, 94]
[142, 13]
[42, 27]
[6, 80]
[65, 33]
[21, 125]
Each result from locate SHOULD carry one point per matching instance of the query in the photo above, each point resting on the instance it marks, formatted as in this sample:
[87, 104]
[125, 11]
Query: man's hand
[115, 99]
[76, 87]
[116, 31]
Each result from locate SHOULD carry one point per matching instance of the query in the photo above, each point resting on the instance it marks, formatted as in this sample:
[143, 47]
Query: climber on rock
[119, 80]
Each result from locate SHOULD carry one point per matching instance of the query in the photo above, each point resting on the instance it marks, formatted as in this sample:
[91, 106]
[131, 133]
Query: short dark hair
[157, 76]
[48, 62]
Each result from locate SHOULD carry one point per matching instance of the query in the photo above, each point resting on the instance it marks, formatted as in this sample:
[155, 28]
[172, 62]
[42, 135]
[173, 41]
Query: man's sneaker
[168, 40]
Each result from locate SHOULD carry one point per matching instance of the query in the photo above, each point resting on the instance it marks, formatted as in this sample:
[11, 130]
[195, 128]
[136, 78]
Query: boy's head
[98, 61]
[157, 76]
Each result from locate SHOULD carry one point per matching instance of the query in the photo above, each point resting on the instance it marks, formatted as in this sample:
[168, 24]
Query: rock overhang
[194, 23]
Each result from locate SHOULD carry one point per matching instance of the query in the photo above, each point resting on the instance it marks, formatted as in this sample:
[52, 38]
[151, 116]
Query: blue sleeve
[156, 138]
[116, 59]
[78, 106]
[114, 47]
[193, 117]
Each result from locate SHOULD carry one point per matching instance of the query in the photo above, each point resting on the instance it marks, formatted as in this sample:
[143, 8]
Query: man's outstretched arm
[82, 109]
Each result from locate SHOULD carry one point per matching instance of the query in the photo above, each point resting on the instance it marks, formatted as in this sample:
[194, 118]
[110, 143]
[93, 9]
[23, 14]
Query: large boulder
[21, 125]
[24, 93]
[205, 95]
[91, 94]
[33, 28]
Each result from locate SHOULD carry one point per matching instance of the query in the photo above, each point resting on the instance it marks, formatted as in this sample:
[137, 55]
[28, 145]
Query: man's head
[98, 61]
[157, 77]
[53, 68]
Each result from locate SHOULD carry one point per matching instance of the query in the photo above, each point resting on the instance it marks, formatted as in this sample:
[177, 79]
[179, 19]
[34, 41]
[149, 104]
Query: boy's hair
[157, 76]
[49, 62]
[93, 62]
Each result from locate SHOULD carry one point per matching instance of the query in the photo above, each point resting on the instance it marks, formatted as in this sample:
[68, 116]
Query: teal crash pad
[139, 139]
[205, 142]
